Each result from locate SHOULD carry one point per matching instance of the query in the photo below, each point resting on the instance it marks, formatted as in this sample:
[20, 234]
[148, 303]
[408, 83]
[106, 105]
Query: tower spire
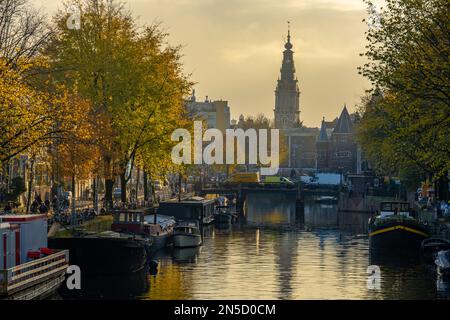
[288, 44]
[287, 93]
[289, 32]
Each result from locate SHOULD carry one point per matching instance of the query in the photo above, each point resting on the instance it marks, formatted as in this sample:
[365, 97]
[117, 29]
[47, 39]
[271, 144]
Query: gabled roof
[344, 124]
[323, 136]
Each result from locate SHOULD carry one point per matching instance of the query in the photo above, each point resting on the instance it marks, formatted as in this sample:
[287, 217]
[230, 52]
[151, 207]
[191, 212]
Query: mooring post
[239, 201]
[300, 204]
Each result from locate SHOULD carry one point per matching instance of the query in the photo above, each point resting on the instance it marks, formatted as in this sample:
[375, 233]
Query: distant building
[215, 113]
[287, 93]
[332, 148]
[300, 141]
[337, 149]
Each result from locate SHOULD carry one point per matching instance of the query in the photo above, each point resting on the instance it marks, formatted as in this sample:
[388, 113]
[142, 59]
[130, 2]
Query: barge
[106, 253]
[394, 228]
[158, 228]
[193, 209]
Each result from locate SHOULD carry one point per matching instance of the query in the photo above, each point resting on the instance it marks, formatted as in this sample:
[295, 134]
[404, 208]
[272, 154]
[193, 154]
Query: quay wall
[360, 203]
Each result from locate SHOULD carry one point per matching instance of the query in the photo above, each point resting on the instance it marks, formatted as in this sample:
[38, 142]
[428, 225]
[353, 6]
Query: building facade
[215, 113]
[337, 149]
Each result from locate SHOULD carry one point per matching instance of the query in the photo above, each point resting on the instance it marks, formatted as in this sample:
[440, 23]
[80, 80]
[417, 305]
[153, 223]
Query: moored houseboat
[194, 208]
[105, 253]
[394, 228]
[29, 270]
[224, 215]
[157, 227]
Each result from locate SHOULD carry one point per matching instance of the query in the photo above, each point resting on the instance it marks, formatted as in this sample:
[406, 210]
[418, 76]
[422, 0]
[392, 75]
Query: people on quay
[55, 203]
[38, 198]
[34, 206]
[43, 208]
[8, 208]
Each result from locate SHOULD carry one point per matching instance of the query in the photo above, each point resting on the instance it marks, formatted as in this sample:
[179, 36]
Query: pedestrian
[38, 198]
[8, 208]
[55, 203]
[43, 208]
[429, 203]
[34, 206]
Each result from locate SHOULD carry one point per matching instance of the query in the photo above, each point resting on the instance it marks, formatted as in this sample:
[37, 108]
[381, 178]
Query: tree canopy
[406, 118]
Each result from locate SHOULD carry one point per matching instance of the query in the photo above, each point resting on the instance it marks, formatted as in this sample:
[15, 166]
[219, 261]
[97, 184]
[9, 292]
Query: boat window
[389, 206]
[197, 213]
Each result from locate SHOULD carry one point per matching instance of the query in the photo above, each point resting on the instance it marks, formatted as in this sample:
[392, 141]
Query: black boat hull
[223, 218]
[103, 256]
[396, 236]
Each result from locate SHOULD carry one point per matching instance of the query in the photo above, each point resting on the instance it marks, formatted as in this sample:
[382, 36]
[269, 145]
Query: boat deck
[34, 273]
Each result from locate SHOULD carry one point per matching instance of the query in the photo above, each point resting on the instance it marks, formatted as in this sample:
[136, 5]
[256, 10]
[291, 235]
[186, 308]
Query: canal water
[271, 256]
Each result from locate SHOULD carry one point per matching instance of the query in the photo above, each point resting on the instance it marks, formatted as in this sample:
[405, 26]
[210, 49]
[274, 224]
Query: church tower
[287, 93]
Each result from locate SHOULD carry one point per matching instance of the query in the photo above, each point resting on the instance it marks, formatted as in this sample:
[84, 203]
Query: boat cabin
[129, 221]
[195, 208]
[394, 208]
[138, 223]
[189, 228]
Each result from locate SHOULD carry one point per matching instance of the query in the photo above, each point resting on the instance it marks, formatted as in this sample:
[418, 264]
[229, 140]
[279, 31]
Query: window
[343, 154]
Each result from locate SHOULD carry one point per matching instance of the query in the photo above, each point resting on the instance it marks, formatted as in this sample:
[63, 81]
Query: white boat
[187, 235]
[443, 263]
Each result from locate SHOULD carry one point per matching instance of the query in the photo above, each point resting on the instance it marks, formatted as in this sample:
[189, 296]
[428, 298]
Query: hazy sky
[233, 48]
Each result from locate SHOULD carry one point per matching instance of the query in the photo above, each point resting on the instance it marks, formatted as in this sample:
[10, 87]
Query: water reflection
[273, 257]
[275, 209]
[186, 255]
[323, 215]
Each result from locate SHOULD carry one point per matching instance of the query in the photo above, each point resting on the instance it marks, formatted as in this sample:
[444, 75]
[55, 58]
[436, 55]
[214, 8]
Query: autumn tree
[23, 32]
[132, 77]
[406, 122]
[25, 111]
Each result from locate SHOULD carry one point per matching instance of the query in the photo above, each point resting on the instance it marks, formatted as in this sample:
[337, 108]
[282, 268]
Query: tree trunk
[145, 188]
[30, 185]
[138, 177]
[95, 193]
[73, 200]
[152, 190]
[109, 184]
[179, 187]
[123, 187]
